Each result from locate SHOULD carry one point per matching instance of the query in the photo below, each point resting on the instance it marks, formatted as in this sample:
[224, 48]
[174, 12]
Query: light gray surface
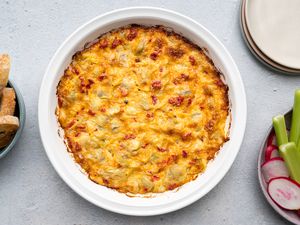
[30, 190]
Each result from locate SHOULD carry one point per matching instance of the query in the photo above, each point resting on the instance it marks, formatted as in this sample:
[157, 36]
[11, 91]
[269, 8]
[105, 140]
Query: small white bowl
[108, 198]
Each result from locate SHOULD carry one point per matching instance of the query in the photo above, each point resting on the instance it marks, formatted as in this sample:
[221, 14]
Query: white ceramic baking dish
[111, 199]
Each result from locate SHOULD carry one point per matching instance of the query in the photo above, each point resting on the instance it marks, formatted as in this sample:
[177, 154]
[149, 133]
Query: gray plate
[21, 114]
[289, 215]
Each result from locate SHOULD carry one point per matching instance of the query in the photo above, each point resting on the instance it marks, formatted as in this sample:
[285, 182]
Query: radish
[271, 139]
[285, 193]
[274, 168]
[271, 152]
[275, 154]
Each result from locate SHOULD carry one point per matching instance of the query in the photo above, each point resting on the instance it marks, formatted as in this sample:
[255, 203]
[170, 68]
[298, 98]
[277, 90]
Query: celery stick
[295, 128]
[291, 157]
[280, 130]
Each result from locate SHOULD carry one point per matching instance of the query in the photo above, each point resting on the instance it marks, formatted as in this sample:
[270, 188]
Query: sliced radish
[285, 193]
[271, 152]
[275, 154]
[271, 139]
[274, 168]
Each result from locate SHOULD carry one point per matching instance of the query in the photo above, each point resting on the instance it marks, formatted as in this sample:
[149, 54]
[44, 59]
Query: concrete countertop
[31, 192]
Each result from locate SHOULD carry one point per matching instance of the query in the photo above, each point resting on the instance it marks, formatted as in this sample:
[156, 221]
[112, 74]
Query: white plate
[257, 52]
[274, 26]
[108, 198]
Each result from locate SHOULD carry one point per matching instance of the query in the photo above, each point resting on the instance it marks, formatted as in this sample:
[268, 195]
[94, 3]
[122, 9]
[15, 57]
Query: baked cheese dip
[143, 110]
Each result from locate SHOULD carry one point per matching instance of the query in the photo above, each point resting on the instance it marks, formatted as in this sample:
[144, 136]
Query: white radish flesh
[274, 168]
[285, 193]
[274, 154]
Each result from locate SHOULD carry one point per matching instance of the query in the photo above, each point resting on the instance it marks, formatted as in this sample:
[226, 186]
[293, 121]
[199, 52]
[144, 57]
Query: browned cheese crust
[143, 110]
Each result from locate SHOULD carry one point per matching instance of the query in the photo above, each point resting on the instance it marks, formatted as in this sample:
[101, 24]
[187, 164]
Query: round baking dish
[108, 198]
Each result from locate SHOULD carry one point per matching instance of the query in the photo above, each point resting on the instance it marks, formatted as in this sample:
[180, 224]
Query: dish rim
[241, 126]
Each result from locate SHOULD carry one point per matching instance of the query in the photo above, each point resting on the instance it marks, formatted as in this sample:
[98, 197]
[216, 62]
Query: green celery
[280, 130]
[291, 157]
[295, 128]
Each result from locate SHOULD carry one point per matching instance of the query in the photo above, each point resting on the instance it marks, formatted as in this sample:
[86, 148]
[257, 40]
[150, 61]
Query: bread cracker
[8, 102]
[4, 71]
[8, 127]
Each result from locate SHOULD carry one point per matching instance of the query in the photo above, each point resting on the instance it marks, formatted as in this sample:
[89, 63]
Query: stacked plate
[271, 31]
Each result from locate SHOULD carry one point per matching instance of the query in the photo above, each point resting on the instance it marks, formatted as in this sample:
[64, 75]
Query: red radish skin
[271, 139]
[274, 168]
[285, 193]
[298, 212]
[271, 152]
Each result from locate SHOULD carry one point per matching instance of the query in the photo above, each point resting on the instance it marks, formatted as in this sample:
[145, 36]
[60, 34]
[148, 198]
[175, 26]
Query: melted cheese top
[143, 110]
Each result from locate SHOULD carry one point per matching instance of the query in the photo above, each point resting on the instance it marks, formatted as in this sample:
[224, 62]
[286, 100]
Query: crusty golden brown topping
[143, 110]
